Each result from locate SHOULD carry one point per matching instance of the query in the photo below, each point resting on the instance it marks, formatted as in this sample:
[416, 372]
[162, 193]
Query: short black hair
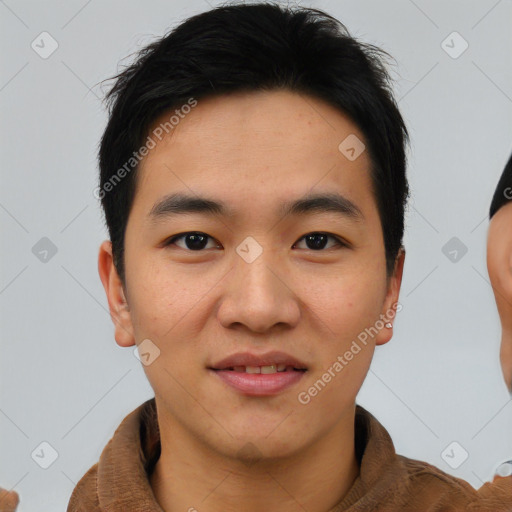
[503, 192]
[260, 46]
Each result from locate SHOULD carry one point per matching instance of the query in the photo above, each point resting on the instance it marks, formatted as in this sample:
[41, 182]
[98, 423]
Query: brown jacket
[387, 482]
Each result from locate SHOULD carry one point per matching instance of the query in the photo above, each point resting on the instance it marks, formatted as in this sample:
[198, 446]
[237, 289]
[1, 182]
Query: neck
[192, 476]
[506, 355]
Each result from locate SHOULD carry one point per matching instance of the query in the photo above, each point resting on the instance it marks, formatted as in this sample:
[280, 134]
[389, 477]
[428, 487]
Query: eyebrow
[181, 204]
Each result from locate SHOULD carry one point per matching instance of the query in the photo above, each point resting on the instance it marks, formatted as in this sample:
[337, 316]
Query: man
[253, 182]
[499, 264]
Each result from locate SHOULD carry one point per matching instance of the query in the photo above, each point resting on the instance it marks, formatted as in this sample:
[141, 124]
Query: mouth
[259, 375]
[269, 362]
[265, 370]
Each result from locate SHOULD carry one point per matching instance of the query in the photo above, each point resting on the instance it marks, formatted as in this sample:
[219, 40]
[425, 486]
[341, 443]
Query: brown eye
[193, 241]
[318, 241]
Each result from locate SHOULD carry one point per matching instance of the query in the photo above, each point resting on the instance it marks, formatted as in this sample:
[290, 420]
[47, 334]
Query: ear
[391, 306]
[118, 305]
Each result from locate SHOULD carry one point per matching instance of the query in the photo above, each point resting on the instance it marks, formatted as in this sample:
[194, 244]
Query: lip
[250, 359]
[258, 384]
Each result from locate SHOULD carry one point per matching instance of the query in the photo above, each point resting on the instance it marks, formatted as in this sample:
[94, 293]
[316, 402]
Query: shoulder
[85, 497]
[124, 454]
[428, 484]
[497, 493]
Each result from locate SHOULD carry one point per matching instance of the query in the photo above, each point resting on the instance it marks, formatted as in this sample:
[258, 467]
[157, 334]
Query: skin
[499, 265]
[253, 151]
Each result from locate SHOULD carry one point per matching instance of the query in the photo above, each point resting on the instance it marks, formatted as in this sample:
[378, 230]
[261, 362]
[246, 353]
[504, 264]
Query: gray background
[64, 379]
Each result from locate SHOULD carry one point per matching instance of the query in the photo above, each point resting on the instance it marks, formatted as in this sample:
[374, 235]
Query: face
[255, 278]
[499, 264]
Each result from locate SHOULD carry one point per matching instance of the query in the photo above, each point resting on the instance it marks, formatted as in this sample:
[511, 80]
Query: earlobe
[391, 305]
[117, 301]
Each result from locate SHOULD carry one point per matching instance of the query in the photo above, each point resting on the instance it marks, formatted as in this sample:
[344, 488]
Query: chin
[258, 445]
[260, 451]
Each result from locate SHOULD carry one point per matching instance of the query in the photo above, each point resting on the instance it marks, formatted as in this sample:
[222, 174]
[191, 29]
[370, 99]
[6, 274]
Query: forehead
[256, 148]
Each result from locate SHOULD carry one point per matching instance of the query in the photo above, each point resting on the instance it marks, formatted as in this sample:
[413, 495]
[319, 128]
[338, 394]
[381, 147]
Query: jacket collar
[127, 461]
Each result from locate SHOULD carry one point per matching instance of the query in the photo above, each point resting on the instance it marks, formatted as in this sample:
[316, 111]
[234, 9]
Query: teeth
[262, 369]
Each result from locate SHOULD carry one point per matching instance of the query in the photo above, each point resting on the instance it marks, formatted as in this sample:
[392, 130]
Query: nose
[259, 295]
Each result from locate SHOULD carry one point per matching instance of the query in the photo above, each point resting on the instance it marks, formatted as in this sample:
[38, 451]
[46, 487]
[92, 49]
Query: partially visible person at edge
[499, 265]
[253, 180]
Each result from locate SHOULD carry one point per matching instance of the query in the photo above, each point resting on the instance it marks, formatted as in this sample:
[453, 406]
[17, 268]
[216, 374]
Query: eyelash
[340, 242]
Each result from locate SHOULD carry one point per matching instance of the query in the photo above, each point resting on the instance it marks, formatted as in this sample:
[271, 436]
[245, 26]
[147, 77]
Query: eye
[197, 241]
[193, 240]
[318, 240]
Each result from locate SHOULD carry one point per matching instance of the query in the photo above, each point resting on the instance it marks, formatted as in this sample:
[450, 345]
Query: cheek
[498, 266]
[159, 300]
[492, 251]
[347, 310]
[162, 289]
[350, 303]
